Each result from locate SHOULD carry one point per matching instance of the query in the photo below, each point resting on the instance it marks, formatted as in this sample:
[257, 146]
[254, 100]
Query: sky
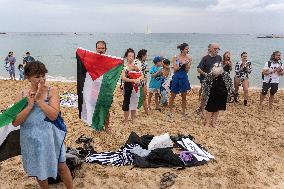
[133, 16]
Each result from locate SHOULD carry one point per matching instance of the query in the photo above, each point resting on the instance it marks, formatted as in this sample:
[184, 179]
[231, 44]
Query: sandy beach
[248, 145]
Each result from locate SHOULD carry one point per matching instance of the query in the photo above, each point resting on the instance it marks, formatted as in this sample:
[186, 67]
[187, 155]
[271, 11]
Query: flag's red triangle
[97, 64]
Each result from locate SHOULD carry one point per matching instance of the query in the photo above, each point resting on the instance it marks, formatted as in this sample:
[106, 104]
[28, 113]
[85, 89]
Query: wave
[51, 78]
[73, 79]
[61, 78]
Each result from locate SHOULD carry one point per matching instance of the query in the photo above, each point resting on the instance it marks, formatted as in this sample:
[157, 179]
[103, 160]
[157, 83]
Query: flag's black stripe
[81, 75]
[11, 146]
[120, 158]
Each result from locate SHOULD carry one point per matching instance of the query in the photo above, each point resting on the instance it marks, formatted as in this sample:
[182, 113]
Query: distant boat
[271, 36]
[148, 31]
[3, 33]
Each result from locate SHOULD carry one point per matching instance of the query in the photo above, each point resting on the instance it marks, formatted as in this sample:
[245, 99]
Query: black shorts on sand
[273, 88]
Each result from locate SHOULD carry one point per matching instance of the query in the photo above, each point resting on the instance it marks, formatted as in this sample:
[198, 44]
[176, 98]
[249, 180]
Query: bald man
[206, 64]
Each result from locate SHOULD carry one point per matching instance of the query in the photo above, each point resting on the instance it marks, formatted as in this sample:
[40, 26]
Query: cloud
[247, 5]
[275, 7]
[182, 16]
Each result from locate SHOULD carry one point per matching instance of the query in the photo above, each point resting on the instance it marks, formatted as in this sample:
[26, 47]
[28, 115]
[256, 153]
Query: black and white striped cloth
[122, 157]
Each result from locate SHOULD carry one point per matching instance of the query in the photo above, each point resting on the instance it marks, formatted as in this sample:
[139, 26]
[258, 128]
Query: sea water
[57, 50]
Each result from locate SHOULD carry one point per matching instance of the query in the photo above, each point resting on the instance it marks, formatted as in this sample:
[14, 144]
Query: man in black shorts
[272, 71]
[205, 66]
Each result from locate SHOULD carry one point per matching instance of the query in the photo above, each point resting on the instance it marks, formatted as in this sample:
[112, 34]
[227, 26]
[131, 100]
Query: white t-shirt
[274, 76]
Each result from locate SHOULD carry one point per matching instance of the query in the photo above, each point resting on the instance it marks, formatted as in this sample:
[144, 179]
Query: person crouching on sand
[216, 87]
[132, 77]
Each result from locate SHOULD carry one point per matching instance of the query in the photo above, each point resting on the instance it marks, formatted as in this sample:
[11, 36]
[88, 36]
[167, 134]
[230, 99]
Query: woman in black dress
[216, 87]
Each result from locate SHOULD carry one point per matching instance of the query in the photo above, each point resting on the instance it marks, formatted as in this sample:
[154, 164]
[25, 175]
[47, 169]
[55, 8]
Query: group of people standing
[164, 84]
[10, 62]
[167, 79]
[37, 119]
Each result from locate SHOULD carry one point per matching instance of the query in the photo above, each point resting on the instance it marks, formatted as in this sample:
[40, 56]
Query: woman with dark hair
[41, 138]
[180, 83]
[132, 78]
[141, 62]
[271, 73]
[242, 69]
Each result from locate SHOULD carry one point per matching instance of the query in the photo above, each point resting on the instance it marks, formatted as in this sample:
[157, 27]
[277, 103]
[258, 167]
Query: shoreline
[118, 83]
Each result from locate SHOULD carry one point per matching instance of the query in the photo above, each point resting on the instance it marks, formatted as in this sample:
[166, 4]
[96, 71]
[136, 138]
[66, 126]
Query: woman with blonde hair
[227, 63]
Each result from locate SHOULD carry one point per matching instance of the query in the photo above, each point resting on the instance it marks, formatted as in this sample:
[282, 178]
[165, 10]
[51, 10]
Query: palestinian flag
[10, 135]
[97, 76]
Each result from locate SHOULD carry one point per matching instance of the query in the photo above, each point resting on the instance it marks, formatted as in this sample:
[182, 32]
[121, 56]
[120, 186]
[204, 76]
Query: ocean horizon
[57, 49]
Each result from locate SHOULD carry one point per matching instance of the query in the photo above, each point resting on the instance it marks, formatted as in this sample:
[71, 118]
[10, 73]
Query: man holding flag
[97, 76]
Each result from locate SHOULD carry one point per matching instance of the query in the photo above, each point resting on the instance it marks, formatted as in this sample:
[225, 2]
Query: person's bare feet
[107, 130]
[146, 112]
[213, 124]
[260, 107]
[202, 114]
[207, 124]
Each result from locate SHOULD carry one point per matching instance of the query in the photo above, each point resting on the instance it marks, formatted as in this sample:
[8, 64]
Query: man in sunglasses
[205, 66]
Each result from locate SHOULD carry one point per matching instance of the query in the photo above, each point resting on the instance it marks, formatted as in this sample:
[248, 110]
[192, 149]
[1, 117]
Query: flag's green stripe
[140, 102]
[10, 114]
[105, 97]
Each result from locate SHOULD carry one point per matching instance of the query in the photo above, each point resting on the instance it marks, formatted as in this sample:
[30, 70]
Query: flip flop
[159, 109]
[167, 180]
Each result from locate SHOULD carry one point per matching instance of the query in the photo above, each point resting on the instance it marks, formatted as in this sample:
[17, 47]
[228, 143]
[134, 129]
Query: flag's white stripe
[4, 132]
[196, 151]
[91, 93]
[134, 99]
